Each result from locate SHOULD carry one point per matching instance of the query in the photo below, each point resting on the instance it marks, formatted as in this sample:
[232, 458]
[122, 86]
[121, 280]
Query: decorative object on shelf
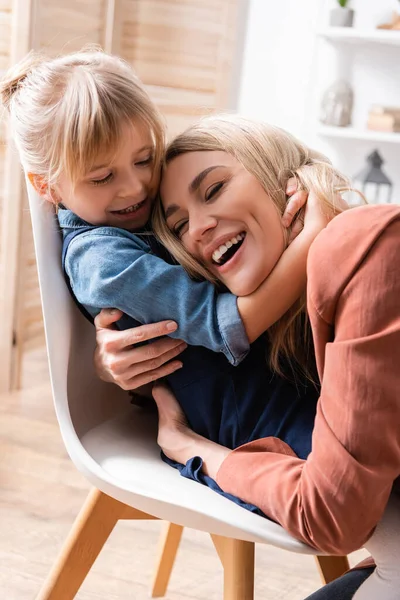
[384, 118]
[373, 182]
[342, 16]
[394, 23]
[337, 104]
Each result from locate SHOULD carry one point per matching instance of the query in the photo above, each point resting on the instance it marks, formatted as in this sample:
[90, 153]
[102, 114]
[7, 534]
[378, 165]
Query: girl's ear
[38, 182]
[41, 187]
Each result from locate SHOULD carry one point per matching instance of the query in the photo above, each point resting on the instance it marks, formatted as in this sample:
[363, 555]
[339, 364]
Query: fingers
[168, 407]
[291, 186]
[107, 317]
[163, 398]
[154, 355]
[121, 340]
[147, 332]
[294, 205]
[150, 376]
[144, 365]
[297, 227]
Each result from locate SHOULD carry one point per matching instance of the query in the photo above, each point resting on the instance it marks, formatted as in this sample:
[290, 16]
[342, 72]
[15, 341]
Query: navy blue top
[232, 405]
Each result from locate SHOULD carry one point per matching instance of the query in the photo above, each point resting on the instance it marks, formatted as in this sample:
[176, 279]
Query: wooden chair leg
[168, 547]
[332, 567]
[90, 531]
[237, 558]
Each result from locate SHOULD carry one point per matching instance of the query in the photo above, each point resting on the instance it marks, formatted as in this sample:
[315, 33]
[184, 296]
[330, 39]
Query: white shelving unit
[350, 133]
[350, 35]
[369, 58]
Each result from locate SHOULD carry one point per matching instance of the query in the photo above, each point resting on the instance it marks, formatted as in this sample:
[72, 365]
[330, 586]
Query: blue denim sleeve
[109, 270]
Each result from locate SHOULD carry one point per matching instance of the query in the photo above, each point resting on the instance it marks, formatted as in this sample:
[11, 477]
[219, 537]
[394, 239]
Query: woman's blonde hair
[273, 156]
[66, 110]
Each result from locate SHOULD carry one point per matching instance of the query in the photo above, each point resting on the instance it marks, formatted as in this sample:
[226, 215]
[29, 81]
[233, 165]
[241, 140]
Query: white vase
[337, 105]
[342, 17]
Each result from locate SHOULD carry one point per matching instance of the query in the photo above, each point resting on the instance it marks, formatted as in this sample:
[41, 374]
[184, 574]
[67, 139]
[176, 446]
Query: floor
[41, 492]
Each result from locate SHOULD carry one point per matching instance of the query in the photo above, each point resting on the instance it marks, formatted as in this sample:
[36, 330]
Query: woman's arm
[334, 500]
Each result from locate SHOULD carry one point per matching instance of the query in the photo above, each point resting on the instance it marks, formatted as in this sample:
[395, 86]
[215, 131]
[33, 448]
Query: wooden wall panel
[179, 49]
[67, 25]
[5, 44]
[61, 26]
[5, 32]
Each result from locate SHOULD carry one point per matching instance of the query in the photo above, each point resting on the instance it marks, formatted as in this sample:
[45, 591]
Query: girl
[91, 142]
[334, 499]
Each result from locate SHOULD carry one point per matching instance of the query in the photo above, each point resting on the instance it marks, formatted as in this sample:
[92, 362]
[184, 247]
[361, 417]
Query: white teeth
[219, 252]
[129, 210]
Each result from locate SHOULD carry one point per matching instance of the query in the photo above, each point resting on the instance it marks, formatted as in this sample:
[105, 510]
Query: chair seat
[132, 471]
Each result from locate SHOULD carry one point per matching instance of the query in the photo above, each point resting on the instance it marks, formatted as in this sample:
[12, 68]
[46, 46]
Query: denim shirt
[110, 267]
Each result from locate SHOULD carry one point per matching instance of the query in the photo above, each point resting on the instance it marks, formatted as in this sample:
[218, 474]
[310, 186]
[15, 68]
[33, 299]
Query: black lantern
[374, 184]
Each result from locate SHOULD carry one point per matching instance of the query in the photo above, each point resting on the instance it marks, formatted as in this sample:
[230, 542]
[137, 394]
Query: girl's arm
[287, 282]
[112, 268]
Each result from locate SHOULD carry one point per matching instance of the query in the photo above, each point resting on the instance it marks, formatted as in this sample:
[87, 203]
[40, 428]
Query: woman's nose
[201, 225]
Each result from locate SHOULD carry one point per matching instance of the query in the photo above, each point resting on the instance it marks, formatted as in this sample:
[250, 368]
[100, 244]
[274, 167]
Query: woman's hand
[178, 441]
[117, 360]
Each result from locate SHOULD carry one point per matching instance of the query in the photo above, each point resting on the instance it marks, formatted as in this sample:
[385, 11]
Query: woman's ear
[42, 188]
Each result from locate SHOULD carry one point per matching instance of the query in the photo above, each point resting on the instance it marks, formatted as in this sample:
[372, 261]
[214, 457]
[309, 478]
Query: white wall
[277, 64]
[286, 67]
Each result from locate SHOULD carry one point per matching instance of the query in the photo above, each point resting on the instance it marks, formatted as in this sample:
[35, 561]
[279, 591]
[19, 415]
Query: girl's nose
[133, 186]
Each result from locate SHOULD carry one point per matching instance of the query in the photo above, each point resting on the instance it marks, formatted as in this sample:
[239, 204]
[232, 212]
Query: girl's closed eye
[144, 162]
[102, 181]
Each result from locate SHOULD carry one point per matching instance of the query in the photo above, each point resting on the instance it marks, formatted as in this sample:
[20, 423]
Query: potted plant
[342, 16]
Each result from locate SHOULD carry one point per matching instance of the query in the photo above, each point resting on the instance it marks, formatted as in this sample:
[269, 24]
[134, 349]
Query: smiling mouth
[130, 209]
[226, 251]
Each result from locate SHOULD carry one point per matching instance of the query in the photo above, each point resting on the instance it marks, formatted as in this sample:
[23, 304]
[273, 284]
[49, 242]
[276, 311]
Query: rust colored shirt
[334, 499]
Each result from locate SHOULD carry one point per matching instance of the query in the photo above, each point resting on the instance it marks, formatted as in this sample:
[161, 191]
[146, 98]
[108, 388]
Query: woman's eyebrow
[194, 186]
[171, 210]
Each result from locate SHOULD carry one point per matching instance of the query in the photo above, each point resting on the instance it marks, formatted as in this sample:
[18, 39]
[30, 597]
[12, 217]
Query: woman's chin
[244, 284]
[243, 288]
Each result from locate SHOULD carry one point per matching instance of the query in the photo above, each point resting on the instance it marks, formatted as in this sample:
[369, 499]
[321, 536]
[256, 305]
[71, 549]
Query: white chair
[114, 446]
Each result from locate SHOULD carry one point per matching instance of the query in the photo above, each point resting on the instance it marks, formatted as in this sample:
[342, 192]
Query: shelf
[350, 133]
[350, 35]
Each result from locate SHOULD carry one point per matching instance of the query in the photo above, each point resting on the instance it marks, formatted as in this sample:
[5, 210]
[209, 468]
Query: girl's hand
[297, 201]
[118, 361]
[316, 217]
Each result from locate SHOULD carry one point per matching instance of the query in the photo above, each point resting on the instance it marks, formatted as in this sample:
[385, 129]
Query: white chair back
[111, 443]
[81, 400]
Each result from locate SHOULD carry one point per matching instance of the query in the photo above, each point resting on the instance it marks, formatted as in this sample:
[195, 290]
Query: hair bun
[16, 75]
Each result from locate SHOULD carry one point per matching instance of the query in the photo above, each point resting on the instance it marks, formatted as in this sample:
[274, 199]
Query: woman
[335, 498]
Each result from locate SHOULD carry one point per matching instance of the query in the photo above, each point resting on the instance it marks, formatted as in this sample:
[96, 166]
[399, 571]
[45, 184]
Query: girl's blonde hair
[66, 110]
[273, 156]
